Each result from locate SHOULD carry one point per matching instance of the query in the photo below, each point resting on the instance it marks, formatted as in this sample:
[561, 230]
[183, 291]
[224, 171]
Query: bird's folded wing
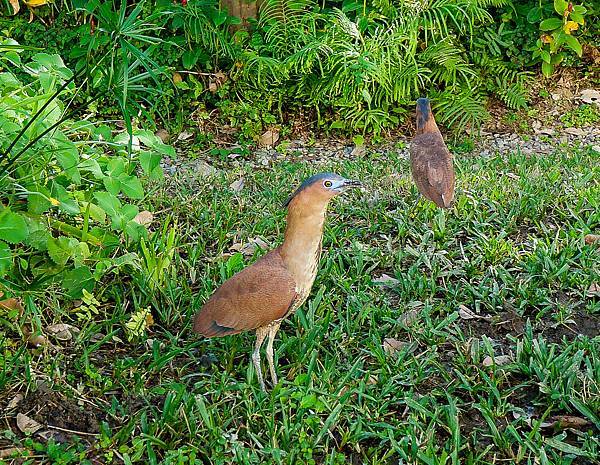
[254, 297]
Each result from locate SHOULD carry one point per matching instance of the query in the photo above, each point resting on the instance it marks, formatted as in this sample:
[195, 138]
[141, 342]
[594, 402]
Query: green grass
[511, 250]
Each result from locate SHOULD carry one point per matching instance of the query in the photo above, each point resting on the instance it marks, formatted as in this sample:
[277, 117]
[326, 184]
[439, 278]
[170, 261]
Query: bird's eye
[328, 184]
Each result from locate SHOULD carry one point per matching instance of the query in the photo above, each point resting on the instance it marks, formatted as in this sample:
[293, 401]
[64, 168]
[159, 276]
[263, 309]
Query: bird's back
[432, 169]
[256, 296]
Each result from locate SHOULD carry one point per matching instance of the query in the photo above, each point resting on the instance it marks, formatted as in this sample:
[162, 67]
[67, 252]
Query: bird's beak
[348, 183]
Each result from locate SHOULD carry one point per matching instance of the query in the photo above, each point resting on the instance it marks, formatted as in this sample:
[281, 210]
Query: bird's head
[322, 187]
[425, 119]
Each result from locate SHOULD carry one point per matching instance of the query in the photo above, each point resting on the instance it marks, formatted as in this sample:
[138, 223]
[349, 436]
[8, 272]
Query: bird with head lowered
[430, 159]
[263, 294]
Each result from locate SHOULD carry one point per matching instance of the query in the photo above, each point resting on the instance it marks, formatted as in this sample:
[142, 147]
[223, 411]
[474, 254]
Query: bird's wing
[432, 168]
[254, 297]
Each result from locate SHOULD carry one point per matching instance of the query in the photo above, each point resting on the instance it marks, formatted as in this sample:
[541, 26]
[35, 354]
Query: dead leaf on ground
[569, 421]
[15, 6]
[216, 81]
[163, 135]
[5, 453]
[184, 135]
[499, 360]
[391, 345]
[177, 78]
[204, 169]
[467, 314]
[63, 331]
[594, 289]
[409, 317]
[268, 138]
[590, 96]
[11, 304]
[14, 402]
[144, 218]
[237, 186]
[250, 247]
[575, 131]
[26, 424]
[386, 280]
[37, 340]
[591, 238]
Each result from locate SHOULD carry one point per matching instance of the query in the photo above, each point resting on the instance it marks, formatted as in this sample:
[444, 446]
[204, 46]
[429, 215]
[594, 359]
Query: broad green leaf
[534, 15]
[132, 187]
[76, 280]
[573, 44]
[579, 9]
[38, 234]
[547, 69]
[109, 203]
[189, 58]
[550, 24]
[578, 18]
[67, 204]
[545, 56]
[61, 249]
[37, 200]
[112, 185]
[13, 228]
[115, 166]
[149, 161]
[560, 6]
[91, 165]
[5, 259]
[96, 213]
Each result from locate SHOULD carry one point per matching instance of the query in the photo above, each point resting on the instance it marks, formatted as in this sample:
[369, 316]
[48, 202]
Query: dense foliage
[357, 65]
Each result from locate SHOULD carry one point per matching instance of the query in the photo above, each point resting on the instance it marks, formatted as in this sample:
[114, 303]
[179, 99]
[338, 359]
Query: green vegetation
[462, 336]
[512, 252]
[355, 66]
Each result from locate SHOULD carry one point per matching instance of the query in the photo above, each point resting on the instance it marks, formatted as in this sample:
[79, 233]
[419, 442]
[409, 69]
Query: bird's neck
[427, 126]
[301, 246]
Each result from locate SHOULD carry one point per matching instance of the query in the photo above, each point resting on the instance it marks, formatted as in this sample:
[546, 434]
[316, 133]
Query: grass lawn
[479, 345]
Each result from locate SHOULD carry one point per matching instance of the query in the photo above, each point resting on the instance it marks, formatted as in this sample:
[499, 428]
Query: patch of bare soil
[498, 327]
[50, 414]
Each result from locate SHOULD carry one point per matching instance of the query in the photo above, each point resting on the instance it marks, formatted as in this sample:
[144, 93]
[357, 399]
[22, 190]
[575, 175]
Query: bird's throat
[301, 248]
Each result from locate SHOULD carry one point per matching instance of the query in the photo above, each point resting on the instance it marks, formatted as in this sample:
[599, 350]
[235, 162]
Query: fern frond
[462, 109]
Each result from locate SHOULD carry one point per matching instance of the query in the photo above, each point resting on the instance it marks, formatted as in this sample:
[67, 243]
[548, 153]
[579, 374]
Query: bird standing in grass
[430, 159]
[262, 295]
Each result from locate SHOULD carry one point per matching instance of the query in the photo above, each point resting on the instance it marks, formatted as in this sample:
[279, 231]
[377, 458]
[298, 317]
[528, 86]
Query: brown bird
[430, 159]
[262, 295]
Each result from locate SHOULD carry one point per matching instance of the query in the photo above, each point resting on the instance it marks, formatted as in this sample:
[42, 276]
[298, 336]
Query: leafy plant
[68, 188]
[557, 33]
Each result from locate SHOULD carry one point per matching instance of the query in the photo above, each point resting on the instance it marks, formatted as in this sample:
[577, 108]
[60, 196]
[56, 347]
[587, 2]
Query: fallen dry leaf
[594, 289]
[144, 218]
[391, 345]
[14, 402]
[15, 6]
[500, 360]
[268, 138]
[5, 453]
[467, 314]
[250, 247]
[591, 238]
[11, 304]
[204, 169]
[26, 424]
[63, 331]
[569, 421]
[575, 131]
[163, 135]
[37, 340]
[386, 280]
[409, 317]
[590, 96]
[177, 78]
[237, 186]
[184, 135]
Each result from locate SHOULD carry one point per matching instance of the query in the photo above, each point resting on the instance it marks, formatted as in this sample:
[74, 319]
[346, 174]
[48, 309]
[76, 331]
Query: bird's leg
[261, 333]
[272, 331]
